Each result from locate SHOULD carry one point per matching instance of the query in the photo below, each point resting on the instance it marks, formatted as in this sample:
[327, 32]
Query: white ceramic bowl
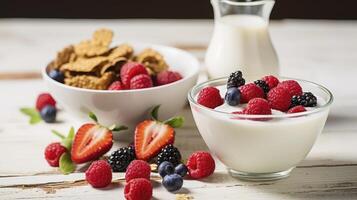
[129, 107]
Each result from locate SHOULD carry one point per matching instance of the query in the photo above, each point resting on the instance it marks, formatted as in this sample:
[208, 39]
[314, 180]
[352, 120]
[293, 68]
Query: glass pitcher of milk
[241, 40]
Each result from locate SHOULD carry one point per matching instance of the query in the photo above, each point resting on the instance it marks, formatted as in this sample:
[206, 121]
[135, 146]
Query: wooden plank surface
[307, 49]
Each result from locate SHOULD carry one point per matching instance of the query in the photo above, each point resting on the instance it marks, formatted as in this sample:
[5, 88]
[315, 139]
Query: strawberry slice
[91, 142]
[150, 137]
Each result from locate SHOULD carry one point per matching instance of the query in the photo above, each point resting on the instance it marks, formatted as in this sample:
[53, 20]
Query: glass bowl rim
[245, 116]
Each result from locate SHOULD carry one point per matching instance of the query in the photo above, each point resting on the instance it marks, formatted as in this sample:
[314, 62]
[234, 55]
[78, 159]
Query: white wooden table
[321, 51]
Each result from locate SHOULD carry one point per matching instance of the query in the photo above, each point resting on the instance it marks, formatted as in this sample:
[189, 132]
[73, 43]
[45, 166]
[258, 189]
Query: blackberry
[169, 153]
[307, 99]
[121, 158]
[262, 84]
[235, 80]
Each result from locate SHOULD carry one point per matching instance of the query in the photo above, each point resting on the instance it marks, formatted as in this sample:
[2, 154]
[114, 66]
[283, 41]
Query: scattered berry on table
[181, 170]
[210, 97]
[121, 158]
[56, 75]
[272, 81]
[292, 86]
[172, 182]
[235, 79]
[307, 99]
[166, 77]
[232, 96]
[297, 109]
[137, 169]
[99, 174]
[138, 189]
[250, 91]
[43, 100]
[166, 168]
[200, 165]
[262, 84]
[149, 142]
[53, 153]
[169, 153]
[258, 106]
[116, 85]
[279, 99]
[141, 81]
[129, 70]
[48, 113]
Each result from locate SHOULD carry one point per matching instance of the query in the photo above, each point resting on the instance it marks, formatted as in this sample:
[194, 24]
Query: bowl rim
[192, 100]
[194, 73]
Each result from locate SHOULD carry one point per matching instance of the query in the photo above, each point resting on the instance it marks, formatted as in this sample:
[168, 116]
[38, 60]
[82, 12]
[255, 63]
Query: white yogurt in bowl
[260, 149]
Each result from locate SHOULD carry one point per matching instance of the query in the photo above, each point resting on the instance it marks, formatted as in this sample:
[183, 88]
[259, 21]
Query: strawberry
[91, 141]
[152, 135]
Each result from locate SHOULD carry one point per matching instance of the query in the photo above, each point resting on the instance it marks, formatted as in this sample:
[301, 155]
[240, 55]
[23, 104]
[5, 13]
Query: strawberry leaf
[175, 122]
[34, 115]
[66, 165]
[58, 134]
[155, 113]
[119, 128]
[93, 117]
[67, 141]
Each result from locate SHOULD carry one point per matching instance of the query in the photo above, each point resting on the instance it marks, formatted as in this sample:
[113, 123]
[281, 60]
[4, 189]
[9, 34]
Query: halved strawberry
[150, 137]
[91, 142]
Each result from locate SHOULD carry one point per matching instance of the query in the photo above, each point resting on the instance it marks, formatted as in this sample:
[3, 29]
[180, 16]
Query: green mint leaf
[119, 128]
[67, 141]
[34, 115]
[58, 134]
[93, 117]
[155, 113]
[175, 122]
[66, 165]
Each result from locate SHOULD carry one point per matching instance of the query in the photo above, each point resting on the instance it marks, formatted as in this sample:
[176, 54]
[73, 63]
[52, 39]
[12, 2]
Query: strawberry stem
[155, 113]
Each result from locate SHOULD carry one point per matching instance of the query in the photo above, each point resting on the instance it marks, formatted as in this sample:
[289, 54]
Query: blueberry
[56, 75]
[232, 96]
[166, 168]
[48, 113]
[172, 182]
[181, 170]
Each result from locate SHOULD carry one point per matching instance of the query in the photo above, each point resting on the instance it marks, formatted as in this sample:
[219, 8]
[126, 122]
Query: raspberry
[138, 189]
[210, 97]
[297, 109]
[137, 169]
[200, 165]
[279, 99]
[116, 85]
[129, 70]
[99, 174]
[167, 77]
[141, 81]
[258, 106]
[250, 91]
[292, 87]
[43, 100]
[53, 153]
[272, 81]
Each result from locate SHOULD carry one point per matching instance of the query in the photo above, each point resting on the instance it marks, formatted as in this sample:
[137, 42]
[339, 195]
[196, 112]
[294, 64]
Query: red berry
[138, 189]
[210, 97]
[99, 174]
[258, 106]
[297, 109]
[250, 91]
[272, 81]
[292, 87]
[141, 81]
[137, 169]
[129, 70]
[167, 77]
[116, 85]
[200, 165]
[53, 153]
[43, 100]
[279, 99]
